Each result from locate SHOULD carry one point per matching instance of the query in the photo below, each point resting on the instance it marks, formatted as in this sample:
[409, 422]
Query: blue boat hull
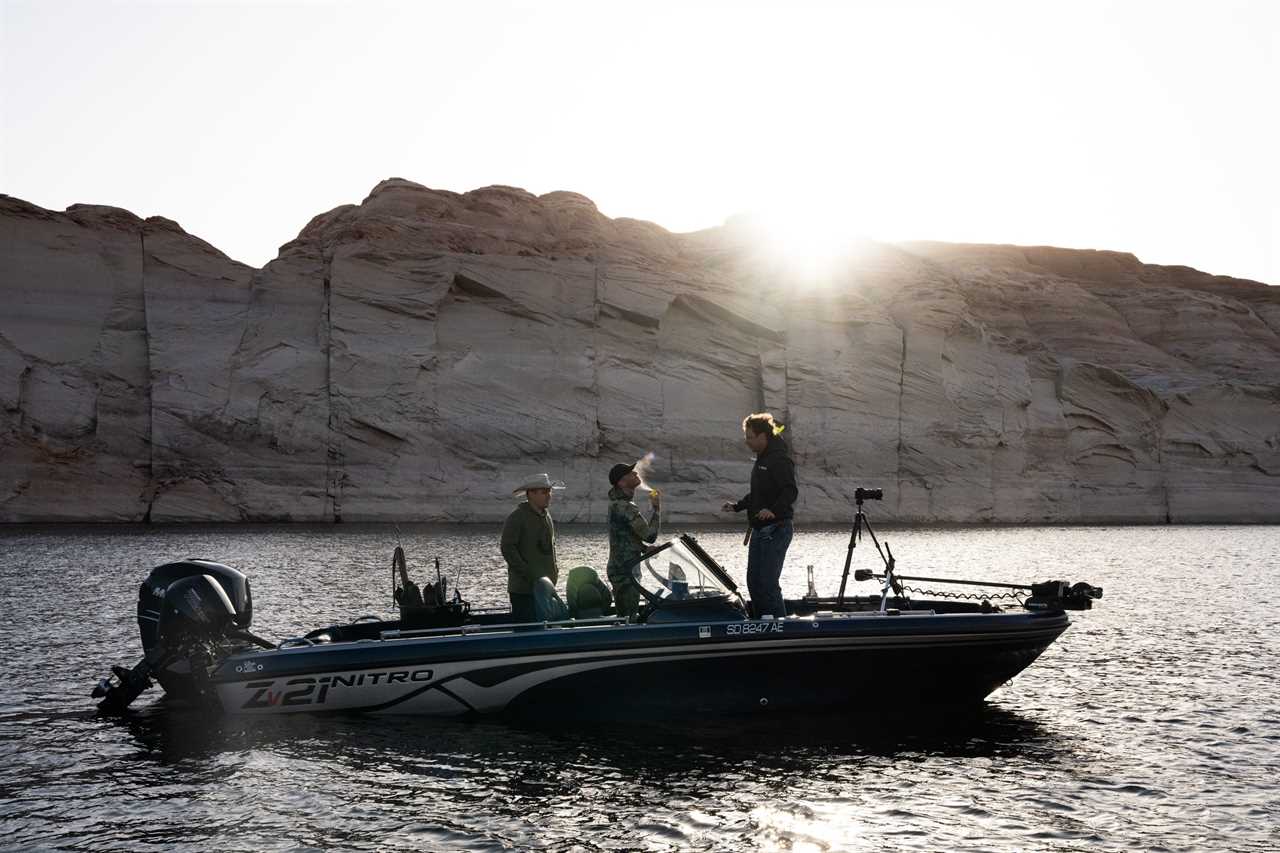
[859, 662]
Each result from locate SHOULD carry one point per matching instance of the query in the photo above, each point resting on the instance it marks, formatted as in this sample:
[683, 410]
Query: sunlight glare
[813, 238]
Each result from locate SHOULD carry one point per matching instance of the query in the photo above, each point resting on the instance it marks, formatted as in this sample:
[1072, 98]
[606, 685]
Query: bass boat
[692, 650]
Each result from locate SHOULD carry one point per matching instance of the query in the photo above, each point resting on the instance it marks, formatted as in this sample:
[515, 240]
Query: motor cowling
[155, 590]
[194, 608]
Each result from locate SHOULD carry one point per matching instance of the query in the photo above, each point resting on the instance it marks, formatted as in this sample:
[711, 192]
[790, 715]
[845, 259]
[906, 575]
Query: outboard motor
[152, 594]
[190, 614]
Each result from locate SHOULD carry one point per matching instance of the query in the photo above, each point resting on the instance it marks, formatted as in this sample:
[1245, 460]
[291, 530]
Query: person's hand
[765, 515]
[728, 506]
[655, 498]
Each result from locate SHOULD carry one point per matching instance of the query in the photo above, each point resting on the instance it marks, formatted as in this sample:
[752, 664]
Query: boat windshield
[675, 572]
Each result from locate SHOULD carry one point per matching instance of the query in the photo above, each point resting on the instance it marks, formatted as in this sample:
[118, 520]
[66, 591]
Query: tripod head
[860, 494]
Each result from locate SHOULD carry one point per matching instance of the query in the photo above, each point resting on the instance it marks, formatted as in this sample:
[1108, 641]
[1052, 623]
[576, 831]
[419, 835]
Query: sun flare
[813, 239]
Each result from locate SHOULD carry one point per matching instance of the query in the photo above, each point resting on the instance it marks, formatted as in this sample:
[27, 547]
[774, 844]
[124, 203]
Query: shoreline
[421, 526]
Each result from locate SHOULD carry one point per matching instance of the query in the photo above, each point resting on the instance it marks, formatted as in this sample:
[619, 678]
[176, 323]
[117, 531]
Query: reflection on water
[647, 785]
[168, 733]
[1151, 724]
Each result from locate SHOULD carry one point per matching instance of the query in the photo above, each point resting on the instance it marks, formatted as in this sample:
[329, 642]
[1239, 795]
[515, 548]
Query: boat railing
[465, 630]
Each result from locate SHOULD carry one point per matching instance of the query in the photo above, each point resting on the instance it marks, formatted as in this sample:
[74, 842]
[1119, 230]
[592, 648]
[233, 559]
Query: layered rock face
[414, 357]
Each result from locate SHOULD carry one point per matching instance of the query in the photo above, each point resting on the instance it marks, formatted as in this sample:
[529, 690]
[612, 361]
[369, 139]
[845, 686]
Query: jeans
[765, 555]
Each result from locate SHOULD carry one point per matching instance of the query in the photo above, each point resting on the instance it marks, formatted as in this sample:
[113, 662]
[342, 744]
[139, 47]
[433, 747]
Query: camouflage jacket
[628, 532]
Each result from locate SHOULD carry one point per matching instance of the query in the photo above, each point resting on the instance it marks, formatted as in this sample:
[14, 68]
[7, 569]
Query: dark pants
[626, 595]
[765, 555]
[522, 609]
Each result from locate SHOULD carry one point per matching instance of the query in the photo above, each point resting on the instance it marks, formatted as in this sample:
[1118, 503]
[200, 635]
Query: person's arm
[652, 526]
[645, 531]
[511, 531]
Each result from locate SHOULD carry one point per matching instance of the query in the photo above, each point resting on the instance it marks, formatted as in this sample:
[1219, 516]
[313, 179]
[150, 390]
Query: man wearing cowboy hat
[529, 545]
[628, 534]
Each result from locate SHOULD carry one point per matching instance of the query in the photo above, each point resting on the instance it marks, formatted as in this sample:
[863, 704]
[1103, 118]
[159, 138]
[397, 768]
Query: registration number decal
[746, 629]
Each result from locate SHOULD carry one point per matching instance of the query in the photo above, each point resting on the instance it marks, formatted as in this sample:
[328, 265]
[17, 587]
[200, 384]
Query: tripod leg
[854, 535]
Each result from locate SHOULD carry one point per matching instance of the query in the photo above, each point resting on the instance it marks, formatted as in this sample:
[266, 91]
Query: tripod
[861, 522]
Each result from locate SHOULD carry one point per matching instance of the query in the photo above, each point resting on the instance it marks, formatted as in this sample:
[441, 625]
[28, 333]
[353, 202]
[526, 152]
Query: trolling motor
[1049, 595]
[190, 614]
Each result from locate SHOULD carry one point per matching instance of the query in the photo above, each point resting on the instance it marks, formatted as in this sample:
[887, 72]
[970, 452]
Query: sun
[813, 239]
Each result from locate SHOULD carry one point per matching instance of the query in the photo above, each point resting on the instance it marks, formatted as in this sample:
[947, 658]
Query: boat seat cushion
[587, 595]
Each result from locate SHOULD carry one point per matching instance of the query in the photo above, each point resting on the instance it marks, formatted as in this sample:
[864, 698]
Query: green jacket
[628, 532]
[529, 547]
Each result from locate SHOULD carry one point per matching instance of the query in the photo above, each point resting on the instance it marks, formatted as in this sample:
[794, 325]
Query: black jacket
[773, 484]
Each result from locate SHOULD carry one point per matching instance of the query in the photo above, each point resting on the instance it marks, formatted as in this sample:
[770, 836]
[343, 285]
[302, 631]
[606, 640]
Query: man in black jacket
[769, 507]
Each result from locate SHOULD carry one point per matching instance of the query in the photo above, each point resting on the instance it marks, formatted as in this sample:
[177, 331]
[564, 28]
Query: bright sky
[1149, 127]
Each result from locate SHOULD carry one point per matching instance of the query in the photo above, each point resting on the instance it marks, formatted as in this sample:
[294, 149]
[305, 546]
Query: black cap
[617, 472]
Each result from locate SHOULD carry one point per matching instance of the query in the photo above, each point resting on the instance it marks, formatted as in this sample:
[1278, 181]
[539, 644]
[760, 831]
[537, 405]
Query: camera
[860, 494]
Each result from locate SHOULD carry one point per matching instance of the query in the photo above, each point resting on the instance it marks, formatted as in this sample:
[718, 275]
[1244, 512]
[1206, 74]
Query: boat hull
[859, 662]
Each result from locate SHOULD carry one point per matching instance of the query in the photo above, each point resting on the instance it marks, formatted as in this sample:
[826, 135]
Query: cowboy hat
[538, 481]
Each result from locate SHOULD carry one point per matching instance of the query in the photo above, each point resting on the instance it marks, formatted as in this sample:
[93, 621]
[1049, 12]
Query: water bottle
[813, 590]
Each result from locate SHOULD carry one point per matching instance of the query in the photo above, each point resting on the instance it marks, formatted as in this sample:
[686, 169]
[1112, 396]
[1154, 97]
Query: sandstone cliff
[412, 357]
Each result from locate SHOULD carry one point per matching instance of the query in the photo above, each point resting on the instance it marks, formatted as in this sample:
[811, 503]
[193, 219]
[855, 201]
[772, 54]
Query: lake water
[1152, 724]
